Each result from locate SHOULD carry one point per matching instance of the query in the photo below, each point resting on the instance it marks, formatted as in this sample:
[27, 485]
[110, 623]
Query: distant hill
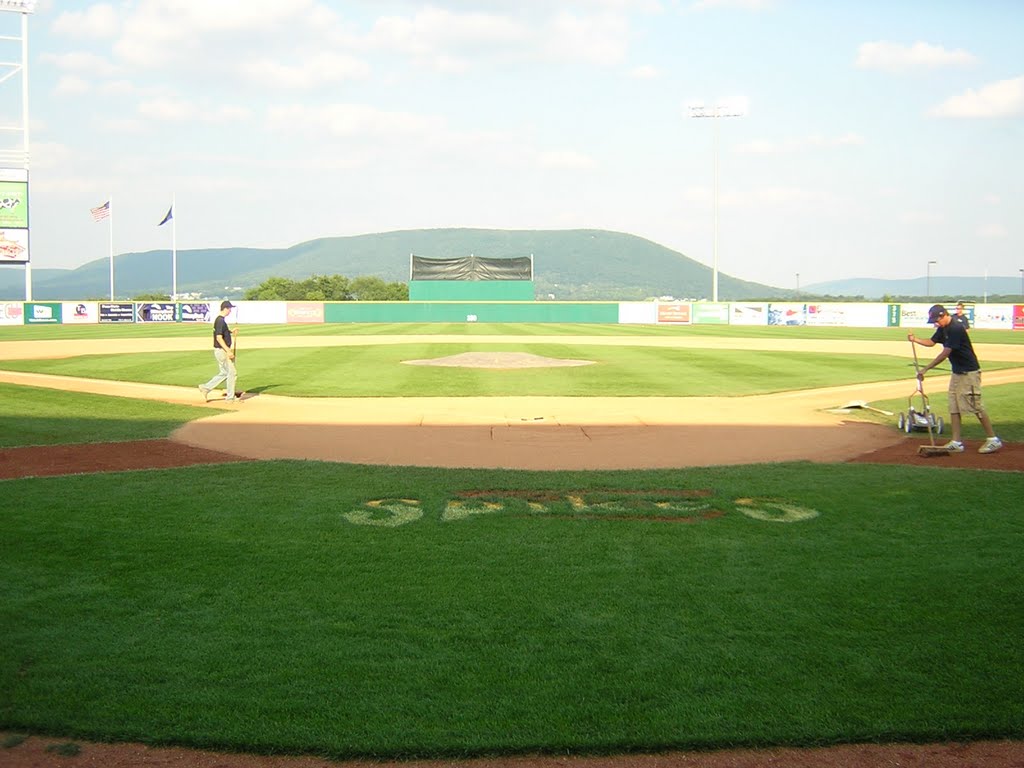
[568, 264]
[573, 265]
[946, 288]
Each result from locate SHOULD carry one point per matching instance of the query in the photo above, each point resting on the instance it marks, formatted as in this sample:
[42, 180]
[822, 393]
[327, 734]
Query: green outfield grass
[379, 371]
[275, 607]
[169, 330]
[356, 611]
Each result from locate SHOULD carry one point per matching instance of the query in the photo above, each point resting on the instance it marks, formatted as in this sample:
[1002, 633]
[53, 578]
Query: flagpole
[174, 250]
[111, 242]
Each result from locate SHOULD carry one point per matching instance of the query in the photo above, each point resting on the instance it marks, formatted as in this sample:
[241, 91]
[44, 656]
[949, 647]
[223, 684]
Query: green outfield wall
[471, 290]
[471, 311]
[822, 314]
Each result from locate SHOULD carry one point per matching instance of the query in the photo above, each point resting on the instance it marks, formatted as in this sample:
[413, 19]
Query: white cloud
[601, 39]
[747, 5]
[440, 35]
[645, 72]
[765, 147]
[178, 110]
[351, 121]
[98, 22]
[785, 195]
[893, 57]
[80, 63]
[319, 69]
[72, 84]
[158, 32]
[566, 160]
[992, 231]
[1000, 99]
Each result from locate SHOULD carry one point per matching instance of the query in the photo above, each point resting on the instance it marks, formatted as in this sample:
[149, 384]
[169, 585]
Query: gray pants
[226, 370]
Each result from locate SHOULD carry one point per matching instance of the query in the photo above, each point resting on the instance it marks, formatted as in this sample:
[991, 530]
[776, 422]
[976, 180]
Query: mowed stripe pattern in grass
[379, 371]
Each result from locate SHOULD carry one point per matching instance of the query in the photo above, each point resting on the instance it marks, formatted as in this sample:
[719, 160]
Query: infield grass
[257, 607]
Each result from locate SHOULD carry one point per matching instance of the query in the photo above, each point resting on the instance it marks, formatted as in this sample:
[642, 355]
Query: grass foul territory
[374, 612]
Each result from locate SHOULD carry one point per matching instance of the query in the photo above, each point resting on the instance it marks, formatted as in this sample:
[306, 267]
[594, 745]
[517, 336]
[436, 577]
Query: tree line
[328, 288]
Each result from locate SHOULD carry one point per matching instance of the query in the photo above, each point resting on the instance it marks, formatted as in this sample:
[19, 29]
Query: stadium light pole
[24, 7]
[928, 281]
[715, 113]
[1021, 282]
[798, 285]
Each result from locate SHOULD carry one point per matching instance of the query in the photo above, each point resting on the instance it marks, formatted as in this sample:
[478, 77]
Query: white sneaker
[991, 445]
[205, 392]
[953, 446]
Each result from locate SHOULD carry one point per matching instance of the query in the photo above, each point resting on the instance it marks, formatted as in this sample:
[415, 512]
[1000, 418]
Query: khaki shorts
[965, 393]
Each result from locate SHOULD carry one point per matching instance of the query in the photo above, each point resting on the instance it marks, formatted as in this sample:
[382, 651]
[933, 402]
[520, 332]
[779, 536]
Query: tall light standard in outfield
[928, 280]
[14, 162]
[715, 113]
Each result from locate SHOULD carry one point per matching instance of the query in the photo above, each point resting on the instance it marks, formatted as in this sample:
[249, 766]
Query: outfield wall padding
[462, 312]
[471, 290]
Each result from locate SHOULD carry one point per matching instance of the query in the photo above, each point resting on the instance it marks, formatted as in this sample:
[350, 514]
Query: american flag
[100, 212]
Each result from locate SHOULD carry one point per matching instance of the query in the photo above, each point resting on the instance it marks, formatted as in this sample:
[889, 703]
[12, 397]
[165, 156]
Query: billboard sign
[79, 312]
[156, 313]
[117, 312]
[12, 313]
[42, 313]
[196, 312]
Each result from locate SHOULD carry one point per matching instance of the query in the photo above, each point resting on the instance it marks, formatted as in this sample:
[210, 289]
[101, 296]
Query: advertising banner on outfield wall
[155, 313]
[196, 312]
[42, 313]
[1018, 317]
[996, 316]
[117, 312]
[710, 313]
[79, 312]
[643, 312]
[915, 315]
[268, 312]
[305, 311]
[849, 315]
[675, 312]
[12, 313]
[787, 314]
[748, 314]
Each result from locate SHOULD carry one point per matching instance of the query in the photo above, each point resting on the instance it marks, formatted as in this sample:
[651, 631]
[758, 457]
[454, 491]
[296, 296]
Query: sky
[854, 139]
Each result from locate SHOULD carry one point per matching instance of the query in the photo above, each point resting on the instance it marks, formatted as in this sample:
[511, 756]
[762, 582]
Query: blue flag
[168, 217]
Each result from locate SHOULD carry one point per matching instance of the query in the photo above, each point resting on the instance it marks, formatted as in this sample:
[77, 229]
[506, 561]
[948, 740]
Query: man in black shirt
[965, 383]
[960, 317]
[224, 353]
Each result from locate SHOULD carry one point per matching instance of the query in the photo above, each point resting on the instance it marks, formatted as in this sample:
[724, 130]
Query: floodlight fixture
[18, 6]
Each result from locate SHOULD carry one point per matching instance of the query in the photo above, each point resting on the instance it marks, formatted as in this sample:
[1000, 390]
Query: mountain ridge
[570, 265]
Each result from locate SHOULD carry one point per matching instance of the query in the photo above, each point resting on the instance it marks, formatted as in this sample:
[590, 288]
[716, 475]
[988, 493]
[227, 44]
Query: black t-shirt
[220, 328]
[961, 356]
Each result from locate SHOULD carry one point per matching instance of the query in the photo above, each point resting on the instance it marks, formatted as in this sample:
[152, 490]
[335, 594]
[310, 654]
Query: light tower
[14, 154]
[715, 113]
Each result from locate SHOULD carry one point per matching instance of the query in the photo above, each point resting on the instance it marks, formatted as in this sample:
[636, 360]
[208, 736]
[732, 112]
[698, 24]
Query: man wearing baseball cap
[965, 383]
[224, 353]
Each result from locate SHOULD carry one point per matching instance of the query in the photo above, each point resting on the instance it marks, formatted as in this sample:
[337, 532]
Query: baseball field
[452, 542]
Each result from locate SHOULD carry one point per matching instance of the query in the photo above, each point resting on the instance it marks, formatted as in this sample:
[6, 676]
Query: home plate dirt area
[515, 432]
